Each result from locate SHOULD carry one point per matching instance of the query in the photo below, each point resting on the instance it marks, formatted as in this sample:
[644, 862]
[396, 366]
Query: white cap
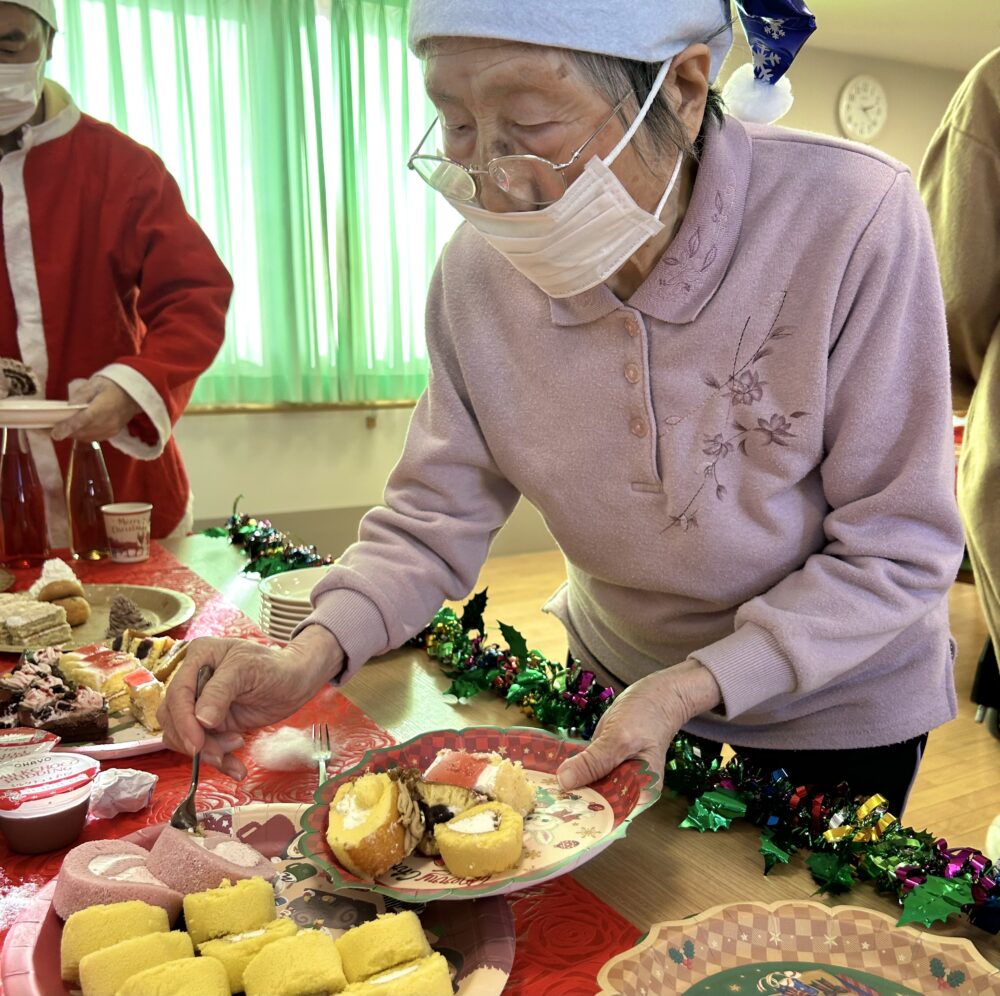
[45, 9]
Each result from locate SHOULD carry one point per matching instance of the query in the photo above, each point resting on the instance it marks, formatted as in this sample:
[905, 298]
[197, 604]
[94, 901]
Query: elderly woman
[712, 355]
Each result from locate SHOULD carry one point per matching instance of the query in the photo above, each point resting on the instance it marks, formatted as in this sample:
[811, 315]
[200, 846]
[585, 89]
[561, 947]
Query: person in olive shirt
[960, 182]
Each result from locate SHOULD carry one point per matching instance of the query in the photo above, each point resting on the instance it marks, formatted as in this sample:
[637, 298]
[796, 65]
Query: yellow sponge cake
[302, 965]
[104, 972]
[101, 926]
[427, 977]
[374, 823]
[481, 841]
[186, 977]
[238, 950]
[230, 909]
[381, 943]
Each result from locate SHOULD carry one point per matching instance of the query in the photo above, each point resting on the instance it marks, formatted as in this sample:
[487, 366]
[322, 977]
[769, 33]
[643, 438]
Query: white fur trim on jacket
[20, 258]
[142, 392]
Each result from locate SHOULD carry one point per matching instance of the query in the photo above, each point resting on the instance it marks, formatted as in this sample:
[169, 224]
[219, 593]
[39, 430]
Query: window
[287, 124]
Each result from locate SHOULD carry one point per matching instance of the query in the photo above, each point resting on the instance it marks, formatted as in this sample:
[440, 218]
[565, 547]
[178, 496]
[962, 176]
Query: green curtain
[287, 124]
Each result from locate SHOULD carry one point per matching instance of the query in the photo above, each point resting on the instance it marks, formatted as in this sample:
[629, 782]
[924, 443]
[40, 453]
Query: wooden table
[657, 872]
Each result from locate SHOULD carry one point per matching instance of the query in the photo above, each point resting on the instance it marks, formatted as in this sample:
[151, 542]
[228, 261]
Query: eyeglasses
[530, 180]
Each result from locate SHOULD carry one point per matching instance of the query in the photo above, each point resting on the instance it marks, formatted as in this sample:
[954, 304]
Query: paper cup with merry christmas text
[127, 526]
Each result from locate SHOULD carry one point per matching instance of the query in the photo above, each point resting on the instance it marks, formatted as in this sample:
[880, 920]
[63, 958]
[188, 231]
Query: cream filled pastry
[482, 841]
[489, 774]
[374, 823]
[110, 871]
[193, 862]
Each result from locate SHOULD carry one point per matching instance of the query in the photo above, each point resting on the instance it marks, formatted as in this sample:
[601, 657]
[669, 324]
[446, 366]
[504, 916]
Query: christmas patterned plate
[477, 937]
[795, 947]
[565, 830]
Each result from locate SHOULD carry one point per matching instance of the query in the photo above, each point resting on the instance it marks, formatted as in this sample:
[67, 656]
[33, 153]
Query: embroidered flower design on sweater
[697, 254]
[744, 387]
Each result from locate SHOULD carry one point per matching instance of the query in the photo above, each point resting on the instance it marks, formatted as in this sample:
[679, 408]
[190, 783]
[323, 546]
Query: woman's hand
[251, 686]
[109, 409]
[642, 721]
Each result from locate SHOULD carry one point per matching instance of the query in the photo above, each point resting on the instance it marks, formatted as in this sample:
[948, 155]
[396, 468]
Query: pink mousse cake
[110, 871]
[194, 862]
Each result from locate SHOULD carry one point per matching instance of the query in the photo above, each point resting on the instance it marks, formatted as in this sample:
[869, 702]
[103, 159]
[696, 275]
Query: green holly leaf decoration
[773, 852]
[463, 687]
[216, 532]
[472, 612]
[832, 872]
[955, 979]
[936, 899]
[726, 803]
[516, 642]
[701, 818]
[937, 968]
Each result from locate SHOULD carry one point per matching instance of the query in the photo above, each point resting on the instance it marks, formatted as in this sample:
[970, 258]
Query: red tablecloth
[564, 933]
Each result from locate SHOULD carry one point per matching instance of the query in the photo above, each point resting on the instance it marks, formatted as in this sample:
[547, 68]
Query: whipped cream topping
[137, 873]
[350, 812]
[103, 863]
[487, 780]
[484, 822]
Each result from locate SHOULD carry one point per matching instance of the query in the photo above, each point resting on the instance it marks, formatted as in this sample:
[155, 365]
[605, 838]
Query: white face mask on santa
[20, 91]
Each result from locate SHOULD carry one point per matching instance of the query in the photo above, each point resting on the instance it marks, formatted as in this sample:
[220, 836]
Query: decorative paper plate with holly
[565, 830]
[795, 947]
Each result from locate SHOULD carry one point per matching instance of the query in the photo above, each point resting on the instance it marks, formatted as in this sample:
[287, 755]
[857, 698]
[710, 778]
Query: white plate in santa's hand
[34, 413]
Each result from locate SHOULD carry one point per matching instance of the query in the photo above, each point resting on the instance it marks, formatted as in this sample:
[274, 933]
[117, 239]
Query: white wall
[293, 463]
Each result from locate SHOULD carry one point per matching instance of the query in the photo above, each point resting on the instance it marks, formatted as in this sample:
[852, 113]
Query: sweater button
[631, 326]
[632, 373]
[638, 427]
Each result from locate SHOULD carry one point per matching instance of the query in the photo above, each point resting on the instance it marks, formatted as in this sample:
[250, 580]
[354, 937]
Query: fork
[185, 816]
[321, 748]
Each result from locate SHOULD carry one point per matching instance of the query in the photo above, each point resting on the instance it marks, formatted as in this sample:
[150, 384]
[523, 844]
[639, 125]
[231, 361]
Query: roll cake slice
[196, 861]
[489, 774]
[110, 871]
[373, 824]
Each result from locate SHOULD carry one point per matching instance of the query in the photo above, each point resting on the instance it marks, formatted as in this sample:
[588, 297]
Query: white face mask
[585, 236]
[20, 92]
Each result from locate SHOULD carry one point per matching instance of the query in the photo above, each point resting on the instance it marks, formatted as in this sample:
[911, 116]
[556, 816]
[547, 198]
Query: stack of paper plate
[284, 600]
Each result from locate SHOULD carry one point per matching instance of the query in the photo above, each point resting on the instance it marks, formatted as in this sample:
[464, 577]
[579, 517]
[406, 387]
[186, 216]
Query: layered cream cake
[428, 976]
[101, 926]
[482, 841]
[158, 654]
[110, 871]
[373, 824]
[303, 965]
[229, 909]
[379, 944]
[236, 951]
[101, 669]
[145, 694]
[489, 774]
[104, 972]
[184, 977]
[36, 624]
[194, 861]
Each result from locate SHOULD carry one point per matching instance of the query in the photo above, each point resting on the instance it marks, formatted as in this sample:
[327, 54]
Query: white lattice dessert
[374, 823]
[489, 774]
[482, 841]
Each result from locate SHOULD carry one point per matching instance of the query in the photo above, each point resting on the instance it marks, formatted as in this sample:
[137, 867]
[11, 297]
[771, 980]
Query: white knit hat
[647, 32]
[45, 9]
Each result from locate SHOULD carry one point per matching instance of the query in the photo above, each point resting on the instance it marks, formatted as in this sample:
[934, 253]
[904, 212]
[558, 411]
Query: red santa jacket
[107, 273]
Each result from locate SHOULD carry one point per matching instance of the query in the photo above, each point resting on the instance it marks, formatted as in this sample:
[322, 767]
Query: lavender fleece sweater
[748, 463]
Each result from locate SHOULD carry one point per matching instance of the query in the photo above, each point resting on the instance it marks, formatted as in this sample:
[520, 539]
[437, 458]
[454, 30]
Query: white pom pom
[284, 749]
[992, 848]
[749, 99]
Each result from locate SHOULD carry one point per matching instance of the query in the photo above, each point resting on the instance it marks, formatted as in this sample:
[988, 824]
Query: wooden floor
[957, 793]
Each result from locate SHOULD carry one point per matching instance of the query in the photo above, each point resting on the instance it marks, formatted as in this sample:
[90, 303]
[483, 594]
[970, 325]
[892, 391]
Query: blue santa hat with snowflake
[775, 30]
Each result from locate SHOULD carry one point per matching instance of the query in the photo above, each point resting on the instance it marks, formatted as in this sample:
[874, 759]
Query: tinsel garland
[269, 551]
[850, 837]
[564, 697]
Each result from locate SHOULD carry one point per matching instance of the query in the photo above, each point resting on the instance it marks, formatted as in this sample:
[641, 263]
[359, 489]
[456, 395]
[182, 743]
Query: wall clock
[863, 108]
